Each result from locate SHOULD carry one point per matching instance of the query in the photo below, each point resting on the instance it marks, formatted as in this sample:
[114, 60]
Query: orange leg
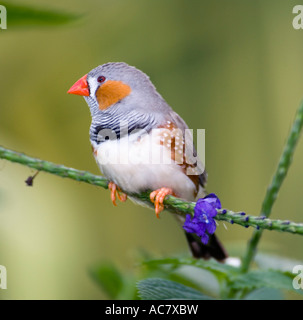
[157, 197]
[116, 192]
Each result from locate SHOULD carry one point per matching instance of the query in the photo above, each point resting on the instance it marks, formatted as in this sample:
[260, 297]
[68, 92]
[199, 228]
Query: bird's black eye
[101, 79]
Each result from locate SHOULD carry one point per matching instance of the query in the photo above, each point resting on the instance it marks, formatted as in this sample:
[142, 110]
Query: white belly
[141, 165]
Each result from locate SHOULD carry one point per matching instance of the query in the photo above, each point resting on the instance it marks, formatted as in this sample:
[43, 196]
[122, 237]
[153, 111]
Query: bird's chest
[139, 163]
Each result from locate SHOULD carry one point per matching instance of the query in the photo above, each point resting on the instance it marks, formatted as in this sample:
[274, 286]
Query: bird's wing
[191, 157]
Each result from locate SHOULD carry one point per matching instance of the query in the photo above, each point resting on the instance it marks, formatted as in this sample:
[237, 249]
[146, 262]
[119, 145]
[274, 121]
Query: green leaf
[231, 278]
[210, 265]
[265, 294]
[262, 279]
[108, 277]
[159, 289]
[197, 278]
[271, 261]
[28, 16]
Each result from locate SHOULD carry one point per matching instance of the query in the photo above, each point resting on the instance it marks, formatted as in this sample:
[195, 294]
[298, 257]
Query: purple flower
[203, 223]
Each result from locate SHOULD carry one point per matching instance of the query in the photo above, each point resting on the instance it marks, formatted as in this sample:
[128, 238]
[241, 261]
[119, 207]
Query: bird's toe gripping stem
[116, 192]
[157, 197]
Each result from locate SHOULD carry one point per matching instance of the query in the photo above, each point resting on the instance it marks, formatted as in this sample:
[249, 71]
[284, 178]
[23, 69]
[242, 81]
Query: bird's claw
[157, 197]
[116, 192]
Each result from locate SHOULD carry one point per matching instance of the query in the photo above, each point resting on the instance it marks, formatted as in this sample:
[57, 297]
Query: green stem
[52, 168]
[172, 204]
[273, 189]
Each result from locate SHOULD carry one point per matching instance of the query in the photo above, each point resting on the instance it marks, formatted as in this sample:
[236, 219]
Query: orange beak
[80, 87]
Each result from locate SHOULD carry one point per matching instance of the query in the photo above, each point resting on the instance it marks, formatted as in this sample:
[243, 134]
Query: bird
[141, 144]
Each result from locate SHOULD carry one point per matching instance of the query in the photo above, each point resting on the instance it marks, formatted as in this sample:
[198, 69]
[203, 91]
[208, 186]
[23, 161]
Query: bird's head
[116, 84]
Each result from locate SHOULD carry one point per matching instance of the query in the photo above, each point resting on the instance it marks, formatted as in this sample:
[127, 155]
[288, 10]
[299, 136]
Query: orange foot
[116, 192]
[157, 197]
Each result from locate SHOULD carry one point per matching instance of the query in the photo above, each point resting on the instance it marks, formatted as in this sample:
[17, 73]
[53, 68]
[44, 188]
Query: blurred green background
[232, 67]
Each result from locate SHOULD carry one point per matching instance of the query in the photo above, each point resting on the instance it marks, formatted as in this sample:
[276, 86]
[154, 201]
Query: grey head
[119, 92]
[143, 95]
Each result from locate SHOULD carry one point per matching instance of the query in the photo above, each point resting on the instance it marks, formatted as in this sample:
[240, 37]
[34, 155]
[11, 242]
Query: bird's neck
[111, 125]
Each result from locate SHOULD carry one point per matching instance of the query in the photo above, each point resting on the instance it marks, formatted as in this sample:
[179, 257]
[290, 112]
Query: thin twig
[172, 204]
[273, 189]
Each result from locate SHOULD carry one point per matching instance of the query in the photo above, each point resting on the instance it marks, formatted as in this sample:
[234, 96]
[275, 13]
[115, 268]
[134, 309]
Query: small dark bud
[30, 180]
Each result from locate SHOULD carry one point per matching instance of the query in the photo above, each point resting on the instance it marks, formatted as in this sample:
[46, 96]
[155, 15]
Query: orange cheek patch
[111, 92]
